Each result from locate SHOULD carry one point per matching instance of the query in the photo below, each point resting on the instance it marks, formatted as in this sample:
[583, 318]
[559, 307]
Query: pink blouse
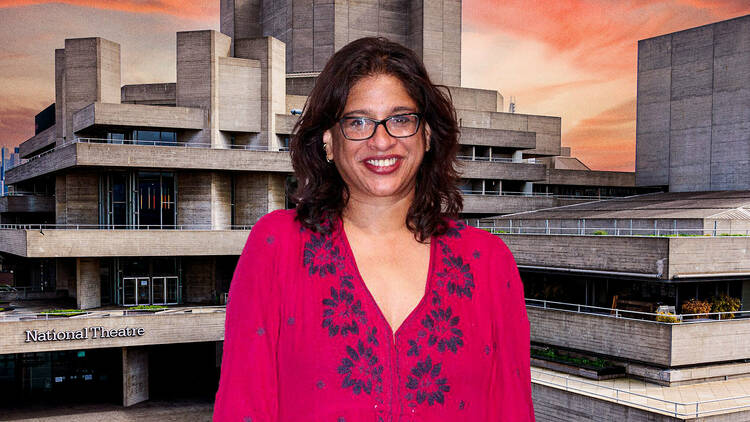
[305, 340]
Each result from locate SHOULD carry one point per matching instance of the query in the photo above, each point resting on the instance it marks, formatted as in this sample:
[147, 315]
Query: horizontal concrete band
[92, 333]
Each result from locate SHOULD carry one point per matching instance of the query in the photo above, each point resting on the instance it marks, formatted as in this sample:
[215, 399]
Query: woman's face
[381, 166]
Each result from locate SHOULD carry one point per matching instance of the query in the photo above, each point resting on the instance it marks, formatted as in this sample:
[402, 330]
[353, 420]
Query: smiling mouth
[382, 163]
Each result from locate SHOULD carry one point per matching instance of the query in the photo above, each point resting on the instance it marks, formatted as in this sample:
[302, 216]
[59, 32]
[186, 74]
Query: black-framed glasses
[362, 128]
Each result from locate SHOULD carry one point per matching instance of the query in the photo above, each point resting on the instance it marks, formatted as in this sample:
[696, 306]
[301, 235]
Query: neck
[378, 216]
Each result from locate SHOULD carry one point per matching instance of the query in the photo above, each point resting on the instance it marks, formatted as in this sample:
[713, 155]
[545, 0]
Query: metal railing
[637, 315]
[626, 397]
[535, 194]
[27, 316]
[203, 227]
[518, 227]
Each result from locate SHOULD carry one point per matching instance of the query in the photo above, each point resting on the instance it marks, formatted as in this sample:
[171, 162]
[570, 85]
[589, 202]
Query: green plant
[147, 308]
[63, 312]
[552, 354]
[725, 303]
[600, 233]
[695, 306]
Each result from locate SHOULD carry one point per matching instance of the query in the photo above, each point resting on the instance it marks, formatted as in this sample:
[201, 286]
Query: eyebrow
[369, 113]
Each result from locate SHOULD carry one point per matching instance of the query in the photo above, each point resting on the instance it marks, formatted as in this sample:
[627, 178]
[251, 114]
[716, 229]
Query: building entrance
[164, 290]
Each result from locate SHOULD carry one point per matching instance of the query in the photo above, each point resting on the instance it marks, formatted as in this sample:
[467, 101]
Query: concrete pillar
[197, 85]
[60, 128]
[528, 187]
[256, 194]
[77, 192]
[518, 156]
[271, 53]
[134, 375]
[276, 191]
[435, 34]
[221, 205]
[92, 74]
[88, 283]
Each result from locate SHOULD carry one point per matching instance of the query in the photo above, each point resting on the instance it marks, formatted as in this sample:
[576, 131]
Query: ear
[427, 137]
[328, 144]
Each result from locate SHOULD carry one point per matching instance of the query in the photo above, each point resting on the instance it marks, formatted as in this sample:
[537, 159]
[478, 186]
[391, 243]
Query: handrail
[673, 405]
[203, 227]
[585, 230]
[621, 313]
[17, 316]
[534, 194]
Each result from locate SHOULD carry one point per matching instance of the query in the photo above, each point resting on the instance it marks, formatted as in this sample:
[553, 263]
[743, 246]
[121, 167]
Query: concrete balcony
[27, 204]
[71, 243]
[138, 115]
[503, 138]
[285, 123]
[501, 170]
[590, 178]
[665, 258]
[38, 142]
[546, 128]
[150, 156]
[101, 329]
[505, 204]
[661, 344]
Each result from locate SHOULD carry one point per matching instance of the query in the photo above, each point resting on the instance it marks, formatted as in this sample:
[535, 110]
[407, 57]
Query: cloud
[606, 141]
[198, 9]
[16, 124]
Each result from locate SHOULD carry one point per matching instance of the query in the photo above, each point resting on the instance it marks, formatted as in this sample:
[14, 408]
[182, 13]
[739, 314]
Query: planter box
[585, 372]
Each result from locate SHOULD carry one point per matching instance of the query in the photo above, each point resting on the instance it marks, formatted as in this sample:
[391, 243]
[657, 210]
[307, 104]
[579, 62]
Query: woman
[369, 302]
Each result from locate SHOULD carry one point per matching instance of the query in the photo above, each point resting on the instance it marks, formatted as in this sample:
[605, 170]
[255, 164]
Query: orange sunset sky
[570, 58]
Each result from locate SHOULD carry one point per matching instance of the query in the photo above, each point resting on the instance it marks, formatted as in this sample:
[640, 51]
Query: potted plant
[725, 303]
[61, 313]
[696, 307]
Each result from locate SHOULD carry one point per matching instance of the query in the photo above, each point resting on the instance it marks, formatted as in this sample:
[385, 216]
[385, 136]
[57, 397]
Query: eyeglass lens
[397, 126]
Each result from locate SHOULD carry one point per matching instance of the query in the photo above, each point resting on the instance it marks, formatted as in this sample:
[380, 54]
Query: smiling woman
[370, 302]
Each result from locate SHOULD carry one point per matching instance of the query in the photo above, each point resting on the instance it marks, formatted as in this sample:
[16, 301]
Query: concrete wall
[170, 328]
[194, 191]
[513, 139]
[642, 341]
[200, 279]
[27, 204]
[113, 243]
[137, 115]
[547, 128]
[91, 73]
[88, 283]
[40, 140]
[719, 341]
[77, 198]
[505, 204]
[149, 94]
[501, 170]
[608, 253]
[720, 254]
[476, 99]
[590, 177]
[694, 108]
[239, 95]
[257, 194]
[134, 375]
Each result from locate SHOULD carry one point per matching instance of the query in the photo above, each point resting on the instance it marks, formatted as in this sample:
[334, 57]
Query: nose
[381, 140]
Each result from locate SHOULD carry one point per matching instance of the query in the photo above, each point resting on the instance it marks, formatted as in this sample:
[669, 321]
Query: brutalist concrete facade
[693, 124]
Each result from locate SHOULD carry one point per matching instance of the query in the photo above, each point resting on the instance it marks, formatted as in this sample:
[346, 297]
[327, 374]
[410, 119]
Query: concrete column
[221, 206]
[276, 192]
[197, 85]
[435, 34]
[271, 53]
[528, 187]
[518, 156]
[79, 193]
[134, 375]
[92, 74]
[60, 118]
[88, 283]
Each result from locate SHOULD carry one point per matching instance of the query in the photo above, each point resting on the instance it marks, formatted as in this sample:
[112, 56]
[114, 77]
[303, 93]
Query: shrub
[725, 303]
[667, 317]
[694, 306]
[600, 233]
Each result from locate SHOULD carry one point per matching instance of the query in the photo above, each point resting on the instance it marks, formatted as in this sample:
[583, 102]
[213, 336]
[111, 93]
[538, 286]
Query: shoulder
[273, 228]
[278, 220]
[489, 246]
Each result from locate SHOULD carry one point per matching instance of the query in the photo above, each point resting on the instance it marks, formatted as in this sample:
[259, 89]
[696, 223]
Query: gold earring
[325, 150]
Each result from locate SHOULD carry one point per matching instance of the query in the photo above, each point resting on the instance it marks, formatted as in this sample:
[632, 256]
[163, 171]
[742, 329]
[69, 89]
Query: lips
[383, 165]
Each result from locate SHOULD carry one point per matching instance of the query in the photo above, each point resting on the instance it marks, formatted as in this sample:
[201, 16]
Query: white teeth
[382, 163]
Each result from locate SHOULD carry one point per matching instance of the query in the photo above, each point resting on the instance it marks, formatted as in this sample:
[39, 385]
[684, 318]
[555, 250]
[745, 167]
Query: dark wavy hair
[321, 193]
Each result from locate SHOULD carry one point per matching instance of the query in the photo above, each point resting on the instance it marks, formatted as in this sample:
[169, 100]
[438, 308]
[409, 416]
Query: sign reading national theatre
[86, 333]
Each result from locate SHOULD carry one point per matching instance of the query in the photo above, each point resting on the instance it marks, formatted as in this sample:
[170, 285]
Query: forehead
[378, 96]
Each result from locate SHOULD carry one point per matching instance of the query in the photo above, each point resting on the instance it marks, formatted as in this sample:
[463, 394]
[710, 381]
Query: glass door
[173, 290]
[158, 290]
[129, 287]
[143, 291]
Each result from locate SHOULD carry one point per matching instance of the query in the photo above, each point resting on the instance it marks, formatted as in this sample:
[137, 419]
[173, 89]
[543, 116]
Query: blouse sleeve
[512, 376]
[248, 388]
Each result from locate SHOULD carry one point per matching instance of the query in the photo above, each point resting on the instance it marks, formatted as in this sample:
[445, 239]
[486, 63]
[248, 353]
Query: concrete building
[145, 194]
[694, 107]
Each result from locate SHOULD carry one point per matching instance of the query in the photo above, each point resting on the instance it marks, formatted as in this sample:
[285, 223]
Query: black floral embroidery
[456, 276]
[414, 348]
[321, 256]
[341, 313]
[444, 333]
[361, 369]
[426, 383]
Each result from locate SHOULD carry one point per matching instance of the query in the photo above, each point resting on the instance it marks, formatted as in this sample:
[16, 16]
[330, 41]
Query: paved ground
[147, 411]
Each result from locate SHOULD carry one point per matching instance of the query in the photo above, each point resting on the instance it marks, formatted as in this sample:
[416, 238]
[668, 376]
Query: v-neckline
[414, 311]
